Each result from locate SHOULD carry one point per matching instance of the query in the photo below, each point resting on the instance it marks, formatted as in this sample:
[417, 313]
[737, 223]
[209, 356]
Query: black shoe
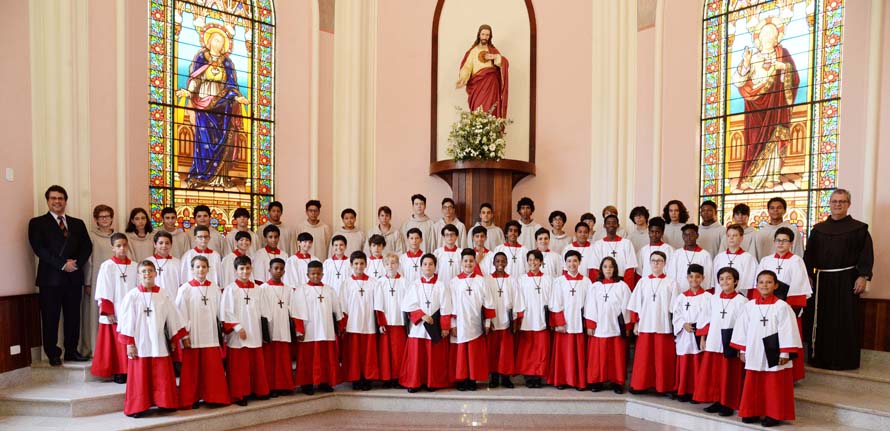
[120, 379]
[55, 362]
[138, 415]
[713, 408]
[562, 387]
[618, 389]
[769, 422]
[166, 410]
[633, 391]
[750, 419]
[506, 382]
[726, 411]
[431, 389]
[596, 387]
[684, 398]
[366, 385]
[529, 382]
[242, 402]
[263, 397]
[356, 385]
[493, 381]
[580, 388]
[387, 384]
[196, 405]
[76, 357]
[307, 389]
[324, 387]
[471, 386]
[413, 390]
[273, 394]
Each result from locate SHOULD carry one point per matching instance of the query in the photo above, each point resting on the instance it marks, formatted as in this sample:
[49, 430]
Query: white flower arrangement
[477, 135]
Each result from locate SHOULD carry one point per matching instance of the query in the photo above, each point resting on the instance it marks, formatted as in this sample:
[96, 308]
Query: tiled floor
[362, 420]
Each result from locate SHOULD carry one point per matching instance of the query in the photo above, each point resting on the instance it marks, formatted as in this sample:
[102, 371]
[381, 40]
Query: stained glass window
[770, 98]
[212, 116]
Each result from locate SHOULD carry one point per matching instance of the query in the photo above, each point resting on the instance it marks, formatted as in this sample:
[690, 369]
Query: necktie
[62, 226]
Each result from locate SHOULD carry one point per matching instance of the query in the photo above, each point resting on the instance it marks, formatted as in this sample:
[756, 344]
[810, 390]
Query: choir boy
[355, 238]
[740, 215]
[271, 250]
[448, 255]
[502, 339]
[202, 377]
[449, 217]
[514, 251]
[241, 311]
[590, 220]
[605, 317]
[719, 379]
[359, 356]
[494, 235]
[202, 238]
[181, 241]
[428, 304]
[392, 237]
[639, 233]
[736, 257]
[390, 294]
[675, 217]
[767, 336]
[376, 262]
[535, 291]
[472, 316]
[687, 310]
[618, 248]
[242, 219]
[710, 232]
[117, 277]
[319, 230]
[315, 314]
[551, 262]
[765, 235]
[526, 208]
[285, 233]
[145, 315]
[277, 349]
[582, 246]
[655, 355]
[608, 210]
[297, 266]
[792, 272]
[336, 267]
[559, 238]
[484, 256]
[410, 260]
[568, 358]
[243, 247]
[689, 254]
[656, 234]
[215, 240]
[422, 222]
[167, 265]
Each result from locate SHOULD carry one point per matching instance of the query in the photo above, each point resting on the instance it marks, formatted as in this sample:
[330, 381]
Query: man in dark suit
[62, 244]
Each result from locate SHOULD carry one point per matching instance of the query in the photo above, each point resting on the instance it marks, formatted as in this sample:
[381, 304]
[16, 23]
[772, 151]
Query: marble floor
[365, 420]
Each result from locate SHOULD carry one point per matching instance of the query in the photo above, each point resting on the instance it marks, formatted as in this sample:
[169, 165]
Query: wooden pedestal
[476, 182]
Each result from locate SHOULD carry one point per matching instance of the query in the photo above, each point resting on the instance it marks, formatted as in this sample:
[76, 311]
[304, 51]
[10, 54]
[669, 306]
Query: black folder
[293, 329]
[219, 333]
[782, 291]
[622, 325]
[167, 338]
[264, 325]
[771, 349]
[728, 351]
[435, 329]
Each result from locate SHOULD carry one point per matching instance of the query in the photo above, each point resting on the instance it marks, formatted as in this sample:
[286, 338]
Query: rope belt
[818, 272]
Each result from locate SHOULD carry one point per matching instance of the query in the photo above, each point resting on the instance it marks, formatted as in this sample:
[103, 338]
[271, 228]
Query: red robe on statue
[489, 87]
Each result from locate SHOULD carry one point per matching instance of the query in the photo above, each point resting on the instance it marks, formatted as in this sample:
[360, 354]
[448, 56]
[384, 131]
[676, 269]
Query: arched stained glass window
[770, 98]
[212, 116]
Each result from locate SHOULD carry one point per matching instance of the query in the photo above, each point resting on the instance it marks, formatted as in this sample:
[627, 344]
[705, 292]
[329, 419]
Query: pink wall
[325, 128]
[17, 196]
[881, 231]
[645, 135]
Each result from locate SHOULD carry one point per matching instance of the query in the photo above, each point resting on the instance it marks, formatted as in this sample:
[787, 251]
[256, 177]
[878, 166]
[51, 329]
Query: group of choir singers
[258, 322]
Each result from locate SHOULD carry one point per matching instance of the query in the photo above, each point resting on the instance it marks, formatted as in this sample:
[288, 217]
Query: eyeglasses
[839, 202]
[103, 217]
[782, 241]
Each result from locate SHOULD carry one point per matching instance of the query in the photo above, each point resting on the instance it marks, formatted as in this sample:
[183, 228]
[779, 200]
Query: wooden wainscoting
[875, 319]
[19, 325]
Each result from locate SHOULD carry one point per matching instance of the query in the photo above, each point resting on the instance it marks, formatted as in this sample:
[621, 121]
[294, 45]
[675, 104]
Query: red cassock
[279, 370]
[655, 362]
[501, 352]
[359, 357]
[150, 380]
[246, 372]
[568, 361]
[533, 353]
[489, 87]
[719, 380]
[202, 377]
[687, 368]
[606, 358]
[425, 362]
[391, 347]
[768, 393]
[469, 360]
[110, 356]
[317, 361]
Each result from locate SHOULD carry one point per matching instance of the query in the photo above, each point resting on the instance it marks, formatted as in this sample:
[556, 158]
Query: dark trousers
[53, 301]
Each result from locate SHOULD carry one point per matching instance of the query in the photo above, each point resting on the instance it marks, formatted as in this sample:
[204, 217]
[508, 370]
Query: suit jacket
[53, 249]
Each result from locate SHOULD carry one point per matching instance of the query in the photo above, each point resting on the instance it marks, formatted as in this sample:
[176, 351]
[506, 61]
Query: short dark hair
[339, 238]
[779, 200]
[741, 209]
[580, 225]
[313, 203]
[198, 257]
[666, 214]
[478, 230]
[542, 231]
[274, 204]
[587, 216]
[512, 223]
[384, 209]
[708, 203]
[611, 216]
[201, 228]
[116, 236]
[525, 201]
[146, 262]
[162, 234]
[167, 210]
[784, 231]
[358, 254]
[242, 261]
[486, 205]
[695, 268]
[536, 253]
[450, 228]
[555, 214]
[201, 208]
[571, 253]
[638, 211]
[429, 256]
[467, 252]
[414, 230]
[271, 228]
[99, 209]
[689, 226]
[131, 227]
[418, 196]
[276, 260]
[241, 212]
[314, 264]
[658, 253]
[348, 211]
[656, 222]
[736, 227]
[242, 235]
[57, 189]
[501, 254]
[377, 239]
[769, 273]
[448, 201]
[304, 236]
[732, 271]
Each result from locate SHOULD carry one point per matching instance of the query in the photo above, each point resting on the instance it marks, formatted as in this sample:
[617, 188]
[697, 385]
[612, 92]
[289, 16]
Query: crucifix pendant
[723, 314]
[320, 298]
[500, 292]
[392, 291]
[606, 298]
[280, 304]
[653, 296]
[124, 278]
[687, 306]
[428, 304]
[361, 291]
[764, 320]
[160, 271]
[469, 290]
[778, 270]
[730, 264]
[514, 259]
[247, 300]
[204, 300]
[573, 291]
[614, 253]
[147, 312]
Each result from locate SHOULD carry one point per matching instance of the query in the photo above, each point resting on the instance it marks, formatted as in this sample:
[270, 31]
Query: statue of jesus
[484, 71]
